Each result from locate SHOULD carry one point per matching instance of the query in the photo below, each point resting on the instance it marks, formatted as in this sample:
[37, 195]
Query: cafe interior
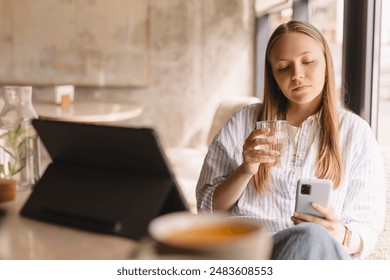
[144, 86]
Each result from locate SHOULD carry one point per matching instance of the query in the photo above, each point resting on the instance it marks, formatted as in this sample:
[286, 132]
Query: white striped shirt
[358, 201]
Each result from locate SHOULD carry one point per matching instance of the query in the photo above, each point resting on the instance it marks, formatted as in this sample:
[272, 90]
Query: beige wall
[202, 51]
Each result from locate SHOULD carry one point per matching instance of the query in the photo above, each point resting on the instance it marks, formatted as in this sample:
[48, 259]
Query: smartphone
[313, 190]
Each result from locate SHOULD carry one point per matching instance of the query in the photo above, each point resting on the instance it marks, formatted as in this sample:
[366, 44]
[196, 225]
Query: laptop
[107, 179]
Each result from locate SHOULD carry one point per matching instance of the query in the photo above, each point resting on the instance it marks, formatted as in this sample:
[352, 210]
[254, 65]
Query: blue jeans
[307, 241]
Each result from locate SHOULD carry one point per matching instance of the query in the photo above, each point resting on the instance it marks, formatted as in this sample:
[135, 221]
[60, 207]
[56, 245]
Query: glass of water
[278, 132]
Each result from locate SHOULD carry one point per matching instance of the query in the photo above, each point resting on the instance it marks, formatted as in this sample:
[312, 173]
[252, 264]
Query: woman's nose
[297, 74]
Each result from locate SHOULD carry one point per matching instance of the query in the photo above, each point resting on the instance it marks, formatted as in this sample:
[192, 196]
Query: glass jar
[19, 148]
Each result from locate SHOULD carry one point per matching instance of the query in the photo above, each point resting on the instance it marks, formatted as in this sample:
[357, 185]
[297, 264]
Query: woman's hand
[252, 156]
[228, 192]
[330, 221]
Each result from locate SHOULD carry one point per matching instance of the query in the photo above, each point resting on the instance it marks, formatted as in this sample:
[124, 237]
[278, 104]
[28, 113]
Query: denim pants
[306, 241]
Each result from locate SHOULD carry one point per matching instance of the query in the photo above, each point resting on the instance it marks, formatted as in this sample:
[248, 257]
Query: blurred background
[179, 59]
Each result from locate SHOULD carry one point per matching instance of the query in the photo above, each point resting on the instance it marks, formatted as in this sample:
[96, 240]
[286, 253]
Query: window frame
[361, 57]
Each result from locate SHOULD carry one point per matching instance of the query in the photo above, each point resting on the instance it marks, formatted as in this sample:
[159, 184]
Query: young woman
[325, 141]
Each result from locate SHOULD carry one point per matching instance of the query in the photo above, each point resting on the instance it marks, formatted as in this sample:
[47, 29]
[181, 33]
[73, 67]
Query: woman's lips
[300, 87]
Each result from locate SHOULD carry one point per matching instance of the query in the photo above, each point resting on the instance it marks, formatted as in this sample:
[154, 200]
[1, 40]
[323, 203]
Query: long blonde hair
[329, 165]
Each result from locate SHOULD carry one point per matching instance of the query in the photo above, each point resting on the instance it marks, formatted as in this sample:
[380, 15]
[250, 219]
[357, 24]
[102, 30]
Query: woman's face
[298, 65]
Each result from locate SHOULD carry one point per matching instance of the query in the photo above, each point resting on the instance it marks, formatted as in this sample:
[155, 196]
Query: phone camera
[305, 189]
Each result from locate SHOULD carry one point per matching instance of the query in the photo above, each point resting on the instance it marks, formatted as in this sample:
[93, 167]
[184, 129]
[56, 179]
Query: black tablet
[108, 179]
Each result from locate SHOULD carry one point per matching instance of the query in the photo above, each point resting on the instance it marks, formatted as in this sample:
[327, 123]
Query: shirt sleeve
[224, 155]
[364, 204]
[216, 168]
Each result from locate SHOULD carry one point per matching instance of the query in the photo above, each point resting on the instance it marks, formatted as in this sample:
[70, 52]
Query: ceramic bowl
[209, 237]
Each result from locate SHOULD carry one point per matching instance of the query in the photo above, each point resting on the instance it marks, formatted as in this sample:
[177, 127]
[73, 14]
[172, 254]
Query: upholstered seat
[187, 162]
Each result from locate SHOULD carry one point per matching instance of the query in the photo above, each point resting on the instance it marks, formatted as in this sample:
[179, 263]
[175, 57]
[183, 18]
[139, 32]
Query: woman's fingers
[260, 144]
[330, 221]
[327, 212]
[256, 150]
[259, 153]
[252, 160]
[258, 132]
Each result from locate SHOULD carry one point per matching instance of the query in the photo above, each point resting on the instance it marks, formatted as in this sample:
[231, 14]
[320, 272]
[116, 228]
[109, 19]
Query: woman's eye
[282, 69]
[308, 61]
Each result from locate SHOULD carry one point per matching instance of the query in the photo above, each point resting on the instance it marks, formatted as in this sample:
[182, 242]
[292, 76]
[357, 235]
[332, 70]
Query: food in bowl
[208, 235]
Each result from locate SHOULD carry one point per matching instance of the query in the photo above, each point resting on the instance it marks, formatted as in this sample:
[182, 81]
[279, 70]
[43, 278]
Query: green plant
[15, 150]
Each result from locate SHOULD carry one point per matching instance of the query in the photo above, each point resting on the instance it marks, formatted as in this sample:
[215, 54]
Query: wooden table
[23, 238]
[88, 111]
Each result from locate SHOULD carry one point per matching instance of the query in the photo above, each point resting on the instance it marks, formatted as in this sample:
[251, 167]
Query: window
[327, 16]
[384, 79]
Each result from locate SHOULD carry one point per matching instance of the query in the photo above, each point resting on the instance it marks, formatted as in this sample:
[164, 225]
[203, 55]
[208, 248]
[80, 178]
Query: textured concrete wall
[202, 51]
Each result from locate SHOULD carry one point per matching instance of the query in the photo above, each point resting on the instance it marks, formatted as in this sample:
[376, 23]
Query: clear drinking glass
[278, 132]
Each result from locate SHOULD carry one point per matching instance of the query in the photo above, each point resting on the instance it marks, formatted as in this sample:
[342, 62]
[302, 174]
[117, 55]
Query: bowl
[206, 236]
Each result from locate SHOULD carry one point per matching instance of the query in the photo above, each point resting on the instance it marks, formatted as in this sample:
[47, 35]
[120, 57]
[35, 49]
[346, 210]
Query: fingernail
[314, 204]
[296, 215]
